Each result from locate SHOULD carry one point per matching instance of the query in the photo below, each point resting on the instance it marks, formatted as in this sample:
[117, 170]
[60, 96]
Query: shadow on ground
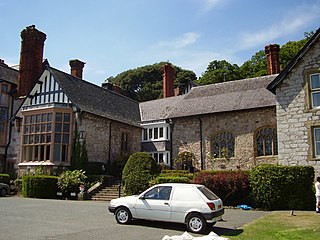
[221, 231]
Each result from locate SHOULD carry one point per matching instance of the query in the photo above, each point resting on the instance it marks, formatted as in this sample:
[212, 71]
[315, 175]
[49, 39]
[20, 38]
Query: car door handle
[166, 204]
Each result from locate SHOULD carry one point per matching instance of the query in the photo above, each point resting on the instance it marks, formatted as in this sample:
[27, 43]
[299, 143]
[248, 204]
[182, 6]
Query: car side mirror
[142, 197]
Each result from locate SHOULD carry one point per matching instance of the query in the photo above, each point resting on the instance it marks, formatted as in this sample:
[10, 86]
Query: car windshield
[210, 195]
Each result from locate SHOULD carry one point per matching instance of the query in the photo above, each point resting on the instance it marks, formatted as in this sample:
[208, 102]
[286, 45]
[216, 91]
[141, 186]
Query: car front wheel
[196, 223]
[123, 215]
[3, 192]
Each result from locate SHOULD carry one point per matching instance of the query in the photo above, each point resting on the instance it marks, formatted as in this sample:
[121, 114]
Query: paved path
[38, 219]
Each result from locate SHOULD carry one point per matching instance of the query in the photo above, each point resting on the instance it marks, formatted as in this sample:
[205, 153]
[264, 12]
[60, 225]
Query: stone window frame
[47, 146]
[232, 141]
[310, 129]
[125, 140]
[274, 146]
[308, 98]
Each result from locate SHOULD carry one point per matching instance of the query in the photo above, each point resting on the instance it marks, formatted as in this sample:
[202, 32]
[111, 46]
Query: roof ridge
[92, 84]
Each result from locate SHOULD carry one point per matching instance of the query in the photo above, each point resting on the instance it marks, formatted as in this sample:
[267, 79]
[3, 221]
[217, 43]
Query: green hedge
[39, 186]
[231, 186]
[276, 187]
[172, 179]
[5, 178]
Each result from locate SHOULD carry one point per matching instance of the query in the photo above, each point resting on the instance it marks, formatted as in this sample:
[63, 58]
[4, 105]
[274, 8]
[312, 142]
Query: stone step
[107, 193]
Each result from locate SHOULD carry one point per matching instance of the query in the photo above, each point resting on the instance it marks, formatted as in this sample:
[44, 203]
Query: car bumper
[111, 209]
[213, 216]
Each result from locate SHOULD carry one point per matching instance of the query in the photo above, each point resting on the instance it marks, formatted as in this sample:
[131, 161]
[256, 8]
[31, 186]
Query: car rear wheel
[123, 215]
[3, 192]
[196, 223]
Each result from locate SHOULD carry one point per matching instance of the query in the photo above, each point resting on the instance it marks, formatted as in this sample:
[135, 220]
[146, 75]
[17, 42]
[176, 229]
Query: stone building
[59, 108]
[230, 125]
[297, 91]
[8, 85]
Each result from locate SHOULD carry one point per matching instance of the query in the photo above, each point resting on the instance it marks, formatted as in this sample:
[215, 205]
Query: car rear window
[210, 195]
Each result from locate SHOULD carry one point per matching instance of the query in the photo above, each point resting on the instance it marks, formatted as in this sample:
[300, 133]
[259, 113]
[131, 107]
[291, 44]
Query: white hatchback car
[192, 204]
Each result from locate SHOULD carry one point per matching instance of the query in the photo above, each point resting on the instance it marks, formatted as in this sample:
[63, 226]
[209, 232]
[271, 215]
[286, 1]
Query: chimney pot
[76, 67]
[168, 74]
[272, 52]
[2, 63]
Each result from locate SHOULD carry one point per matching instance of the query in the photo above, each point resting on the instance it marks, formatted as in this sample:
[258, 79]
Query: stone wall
[294, 115]
[242, 124]
[100, 145]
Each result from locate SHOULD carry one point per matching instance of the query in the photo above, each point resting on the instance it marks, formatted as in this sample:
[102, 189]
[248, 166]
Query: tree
[145, 83]
[255, 67]
[219, 71]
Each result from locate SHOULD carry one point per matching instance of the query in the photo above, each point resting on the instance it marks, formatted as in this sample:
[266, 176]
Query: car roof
[179, 184]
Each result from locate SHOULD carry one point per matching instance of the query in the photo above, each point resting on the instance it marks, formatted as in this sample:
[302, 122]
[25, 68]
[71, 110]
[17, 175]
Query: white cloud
[185, 40]
[208, 5]
[292, 22]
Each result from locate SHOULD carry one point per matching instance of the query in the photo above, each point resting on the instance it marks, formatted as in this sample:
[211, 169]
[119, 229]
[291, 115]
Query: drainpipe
[10, 130]
[171, 124]
[201, 142]
[109, 153]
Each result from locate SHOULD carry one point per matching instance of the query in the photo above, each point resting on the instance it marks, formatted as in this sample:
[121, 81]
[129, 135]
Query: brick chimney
[272, 52]
[76, 67]
[168, 74]
[30, 68]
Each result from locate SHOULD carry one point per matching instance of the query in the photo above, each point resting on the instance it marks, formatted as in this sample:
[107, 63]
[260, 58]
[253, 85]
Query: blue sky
[112, 36]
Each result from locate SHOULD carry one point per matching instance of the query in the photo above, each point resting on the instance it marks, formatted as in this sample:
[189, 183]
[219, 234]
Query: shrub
[5, 178]
[231, 186]
[171, 179]
[69, 181]
[138, 171]
[174, 176]
[276, 187]
[39, 186]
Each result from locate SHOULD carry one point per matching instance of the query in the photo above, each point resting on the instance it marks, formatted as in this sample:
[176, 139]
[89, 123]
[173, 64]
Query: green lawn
[282, 225]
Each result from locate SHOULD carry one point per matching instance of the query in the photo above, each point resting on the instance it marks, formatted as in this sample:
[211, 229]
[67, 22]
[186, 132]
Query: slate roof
[273, 85]
[96, 100]
[215, 98]
[9, 74]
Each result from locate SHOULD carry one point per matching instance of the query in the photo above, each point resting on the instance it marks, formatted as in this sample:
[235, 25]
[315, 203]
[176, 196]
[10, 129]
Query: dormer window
[315, 90]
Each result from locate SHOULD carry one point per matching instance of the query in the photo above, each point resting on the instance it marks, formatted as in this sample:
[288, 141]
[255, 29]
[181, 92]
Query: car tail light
[211, 205]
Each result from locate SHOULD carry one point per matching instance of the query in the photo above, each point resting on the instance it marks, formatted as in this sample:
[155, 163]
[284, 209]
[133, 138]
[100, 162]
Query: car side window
[160, 193]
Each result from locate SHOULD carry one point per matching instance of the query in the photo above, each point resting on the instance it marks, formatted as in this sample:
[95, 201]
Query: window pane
[38, 118]
[48, 138]
[49, 119]
[66, 127]
[317, 149]
[64, 153]
[155, 133]
[44, 117]
[315, 81]
[37, 138]
[26, 129]
[58, 127]
[49, 127]
[317, 134]
[150, 133]
[37, 128]
[145, 134]
[316, 99]
[48, 152]
[57, 138]
[36, 149]
[160, 158]
[43, 138]
[66, 138]
[161, 132]
[58, 117]
[66, 117]
[56, 152]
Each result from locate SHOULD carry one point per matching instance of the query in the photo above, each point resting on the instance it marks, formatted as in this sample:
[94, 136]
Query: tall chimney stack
[168, 74]
[31, 54]
[272, 52]
[76, 67]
